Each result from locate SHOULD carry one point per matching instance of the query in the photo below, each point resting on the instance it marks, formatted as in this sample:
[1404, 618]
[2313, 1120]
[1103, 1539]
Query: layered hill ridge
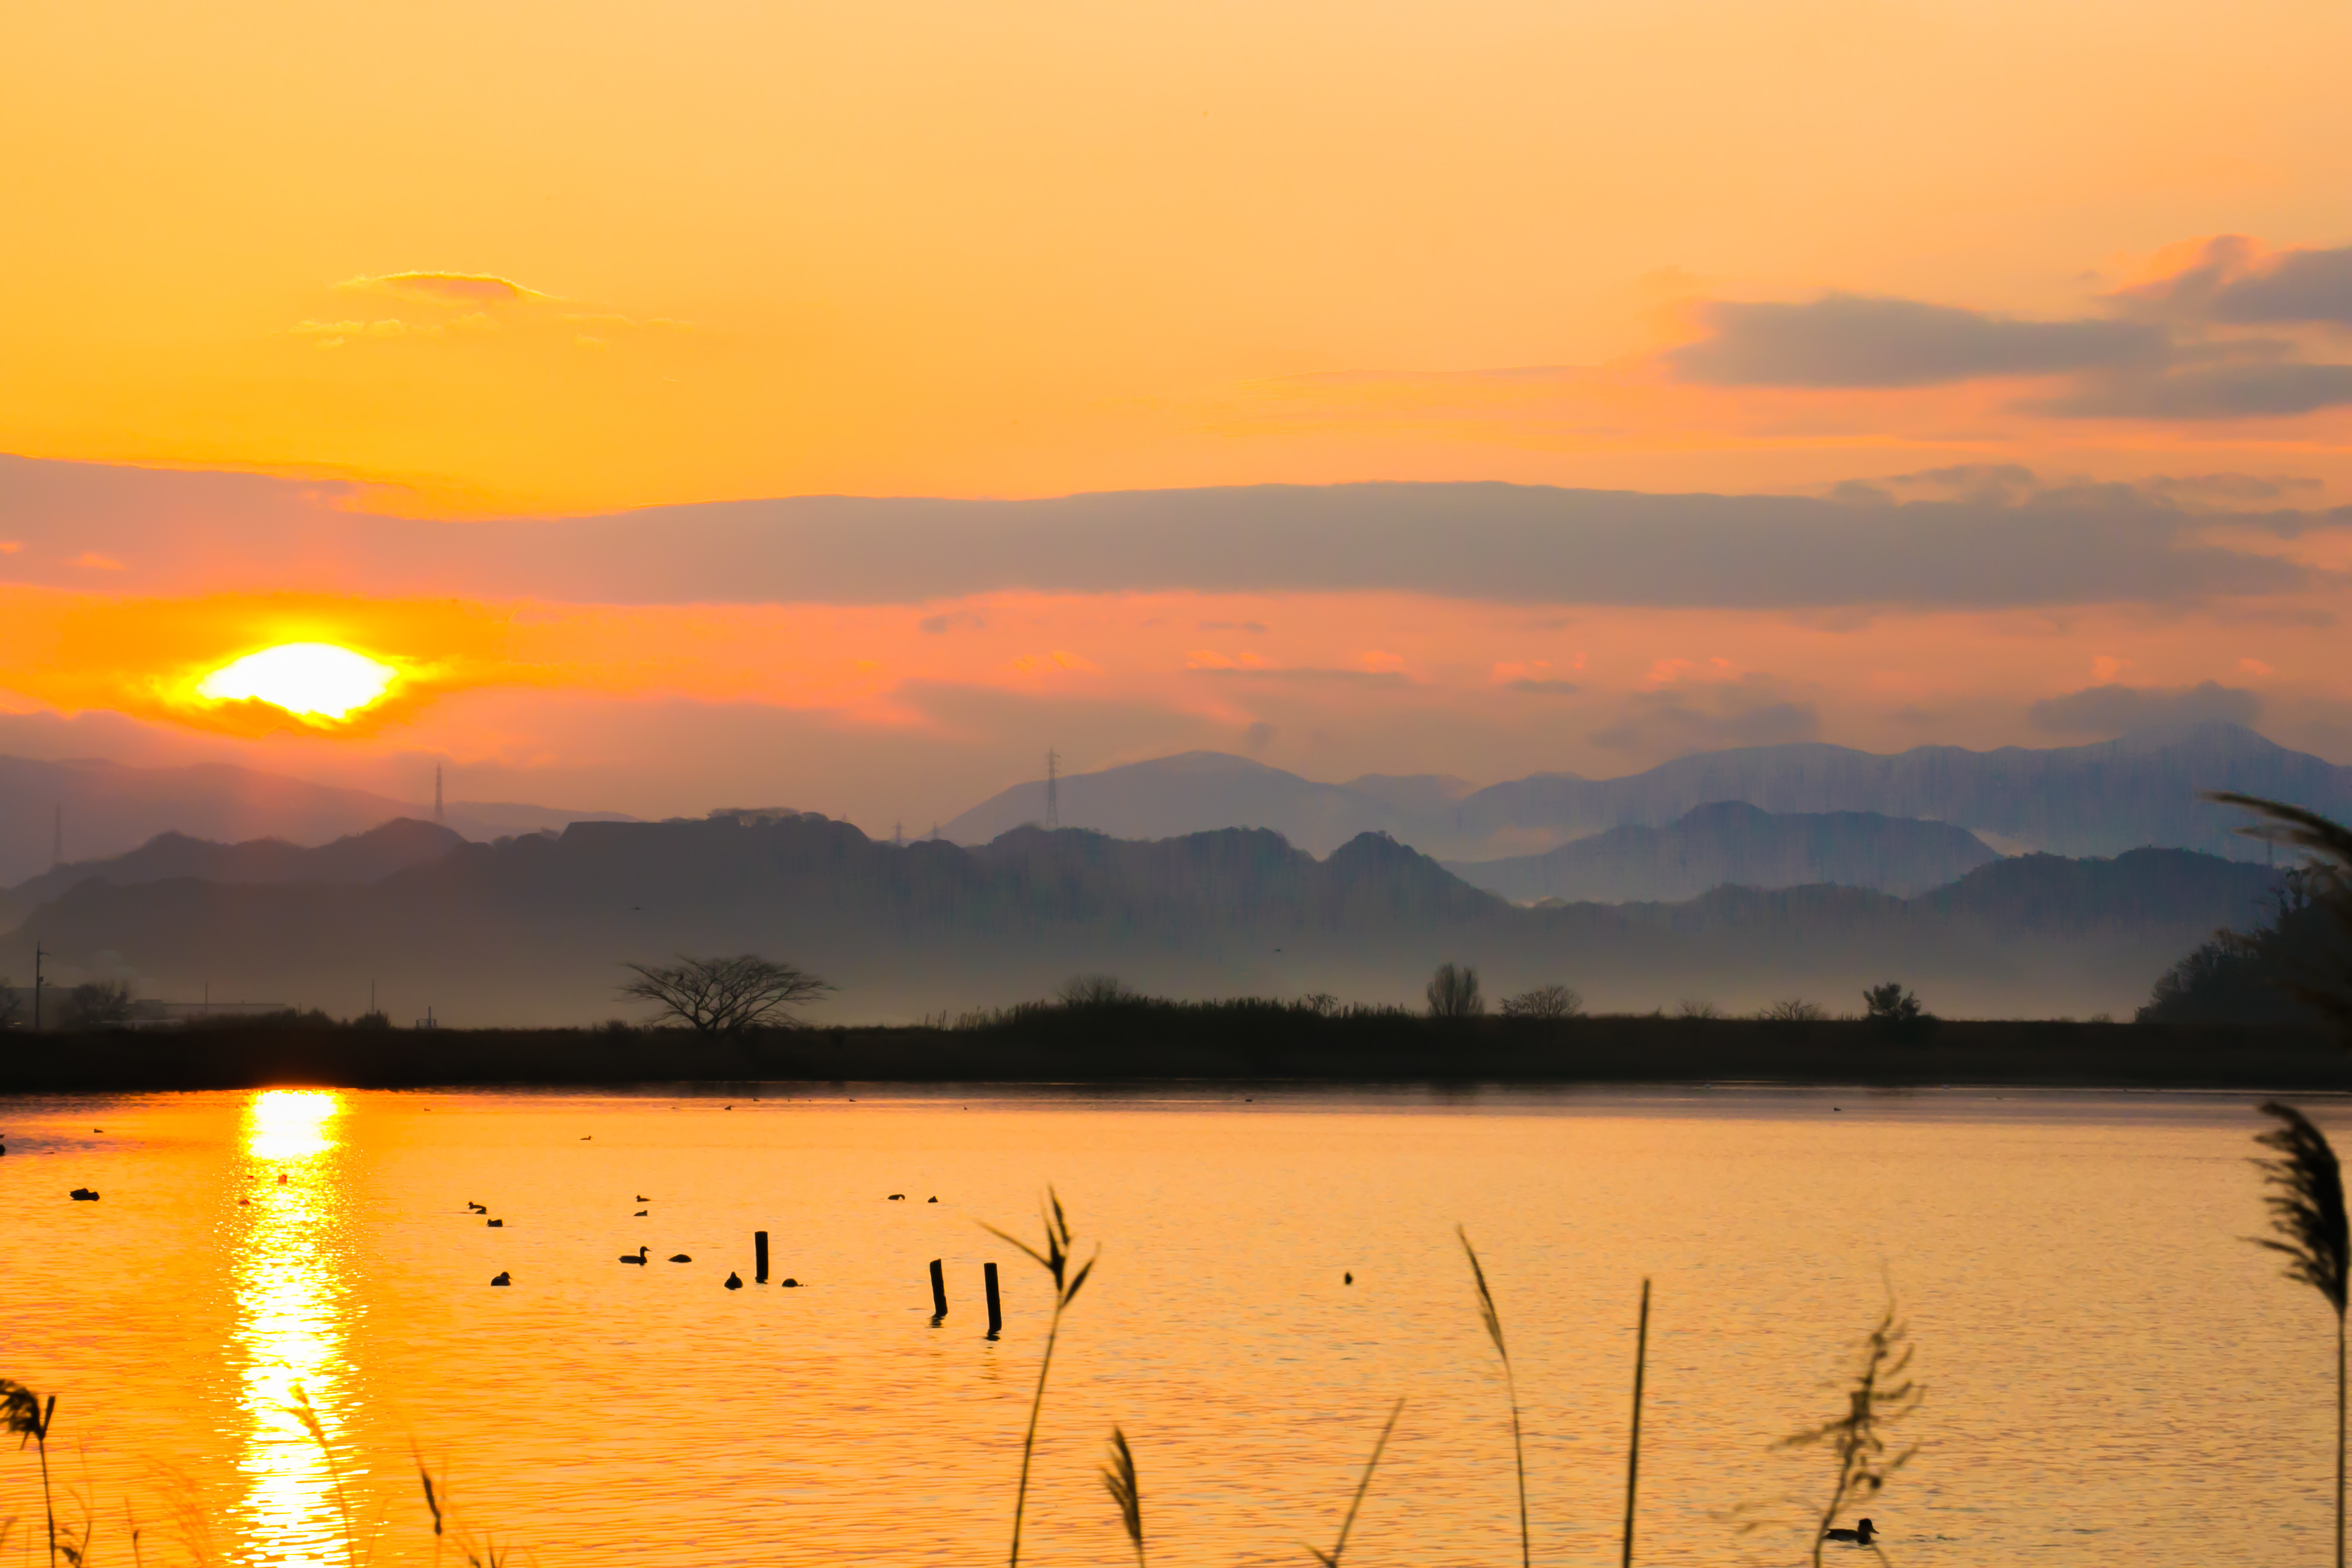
[534, 930]
[358, 858]
[1731, 842]
[110, 808]
[2100, 799]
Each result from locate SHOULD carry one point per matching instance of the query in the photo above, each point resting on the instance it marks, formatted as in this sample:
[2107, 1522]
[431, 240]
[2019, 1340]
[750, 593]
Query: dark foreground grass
[1148, 1041]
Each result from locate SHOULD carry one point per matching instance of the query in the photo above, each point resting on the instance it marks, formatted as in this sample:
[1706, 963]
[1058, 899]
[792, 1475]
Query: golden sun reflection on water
[290, 1333]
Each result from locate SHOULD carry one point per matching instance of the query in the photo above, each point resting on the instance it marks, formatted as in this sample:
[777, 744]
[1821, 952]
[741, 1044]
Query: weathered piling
[995, 1306]
[939, 1291]
[760, 1258]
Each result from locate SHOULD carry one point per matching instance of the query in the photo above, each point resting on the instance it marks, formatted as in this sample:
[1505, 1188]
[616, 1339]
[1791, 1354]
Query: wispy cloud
[1858, 340]
[2115, 709]
[443, 288]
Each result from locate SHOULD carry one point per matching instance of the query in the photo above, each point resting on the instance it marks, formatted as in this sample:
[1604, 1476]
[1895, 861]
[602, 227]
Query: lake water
[2113, 1375]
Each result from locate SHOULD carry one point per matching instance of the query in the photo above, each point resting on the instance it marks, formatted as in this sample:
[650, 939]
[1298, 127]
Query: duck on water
[1860, 1535]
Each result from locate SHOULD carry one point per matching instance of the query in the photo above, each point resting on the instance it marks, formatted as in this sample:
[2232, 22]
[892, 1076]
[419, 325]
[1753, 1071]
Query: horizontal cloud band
[182, 532]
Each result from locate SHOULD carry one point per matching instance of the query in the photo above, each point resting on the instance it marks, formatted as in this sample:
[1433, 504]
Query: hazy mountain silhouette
[360, 858]
[111, 809]
[1732, 842]
[533, 929]
[2097, 799]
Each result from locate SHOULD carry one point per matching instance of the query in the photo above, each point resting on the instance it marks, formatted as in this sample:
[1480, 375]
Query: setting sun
[303, 677]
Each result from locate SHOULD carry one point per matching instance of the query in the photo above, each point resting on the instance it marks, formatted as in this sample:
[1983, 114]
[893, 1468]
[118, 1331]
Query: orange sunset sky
[1974, 372]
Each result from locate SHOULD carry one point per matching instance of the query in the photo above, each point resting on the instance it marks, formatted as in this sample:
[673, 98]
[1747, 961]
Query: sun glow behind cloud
[309, 679]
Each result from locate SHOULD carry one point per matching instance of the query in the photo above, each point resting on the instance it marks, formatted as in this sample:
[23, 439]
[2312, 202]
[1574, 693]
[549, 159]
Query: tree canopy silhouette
[724, 996]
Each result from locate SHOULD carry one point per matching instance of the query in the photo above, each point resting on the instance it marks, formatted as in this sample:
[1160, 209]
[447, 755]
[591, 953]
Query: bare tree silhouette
[724, 996]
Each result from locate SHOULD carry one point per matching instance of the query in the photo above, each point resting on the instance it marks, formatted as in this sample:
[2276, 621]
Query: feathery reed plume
[1494, 1322]
[1118, 1479]
[2306, 1208]
[1056, 1260]
[1633, 1445]
[23, 1416]
[1331, 1559]
[300, 1410]
[2329, 843]
[432, 1500]
[1880, 1393]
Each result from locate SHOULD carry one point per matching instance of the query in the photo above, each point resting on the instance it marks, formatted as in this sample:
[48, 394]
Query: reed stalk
[1331, 1559]
[1118, 1479]
[300, 1410]
[2307, 1213]
[1056, 1259]
[1881, 1392]
[23, 1415]
[1634, 1446]
[1494, 1322]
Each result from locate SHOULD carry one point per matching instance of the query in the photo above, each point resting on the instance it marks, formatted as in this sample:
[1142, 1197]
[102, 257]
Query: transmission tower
[437, 792]
[1053, 789]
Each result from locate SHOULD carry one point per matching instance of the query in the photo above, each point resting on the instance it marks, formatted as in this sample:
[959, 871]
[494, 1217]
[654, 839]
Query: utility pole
[57, 843]
[37, 956]
[1053, 789]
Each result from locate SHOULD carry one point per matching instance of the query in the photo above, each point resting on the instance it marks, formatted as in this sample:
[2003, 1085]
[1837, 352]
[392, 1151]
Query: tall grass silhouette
[26, 1417]
[1118, 1479]
[1494, 1322]
[1339, 1548]
[2306, 1205]
[1880, 1392]
[301, 1411]
[1056, 1259]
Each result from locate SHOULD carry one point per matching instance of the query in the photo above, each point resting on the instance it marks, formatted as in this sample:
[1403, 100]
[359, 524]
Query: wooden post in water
[939, 1291]
[760, 1257]
[995, 1306]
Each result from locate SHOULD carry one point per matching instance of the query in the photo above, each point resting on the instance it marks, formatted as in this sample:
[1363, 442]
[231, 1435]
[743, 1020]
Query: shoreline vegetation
[1139, 1041]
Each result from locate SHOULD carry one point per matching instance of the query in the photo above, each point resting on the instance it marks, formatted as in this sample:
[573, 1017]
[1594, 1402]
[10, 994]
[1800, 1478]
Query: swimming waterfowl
[639, 1214]
[680, 1258]
[1860, 1534]
[502, 1280]
[476, 1208]
[734, 1280]
[643, 1199]
[640, 1258]
[83, 1195]
[495, 1224]
[791, 1284]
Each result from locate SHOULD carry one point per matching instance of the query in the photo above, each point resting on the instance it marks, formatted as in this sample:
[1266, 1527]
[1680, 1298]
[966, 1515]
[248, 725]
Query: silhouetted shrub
[98, 1004]
[1895, 1012]
[1554, 1001]
[1453, 992]
[1094, 990]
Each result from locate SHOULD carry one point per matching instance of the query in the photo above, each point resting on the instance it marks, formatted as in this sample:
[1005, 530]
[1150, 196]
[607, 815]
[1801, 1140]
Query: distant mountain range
[361, 857]
[2098, 799]
[534, 930]
[1731, 842]
[110, 809]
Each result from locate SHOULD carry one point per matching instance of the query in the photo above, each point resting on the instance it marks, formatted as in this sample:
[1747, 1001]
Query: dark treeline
[1137, 1040]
